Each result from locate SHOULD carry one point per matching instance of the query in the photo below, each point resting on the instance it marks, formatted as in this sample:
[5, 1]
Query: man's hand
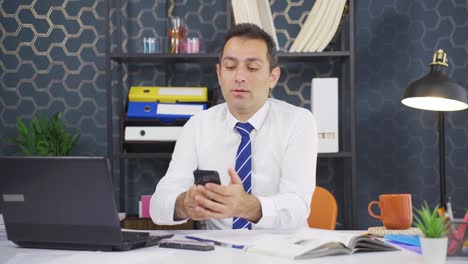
[186, 205]
[218, 201]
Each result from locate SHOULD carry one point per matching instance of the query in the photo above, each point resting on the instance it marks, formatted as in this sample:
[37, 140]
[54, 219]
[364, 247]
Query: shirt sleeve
[178, 178]
[291, 206]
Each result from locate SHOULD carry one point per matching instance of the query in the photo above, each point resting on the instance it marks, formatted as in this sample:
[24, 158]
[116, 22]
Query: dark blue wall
[397, 146]
[52, 59]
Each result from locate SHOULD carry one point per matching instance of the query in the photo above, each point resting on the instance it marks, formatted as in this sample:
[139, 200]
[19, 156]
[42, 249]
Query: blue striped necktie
[244, 168]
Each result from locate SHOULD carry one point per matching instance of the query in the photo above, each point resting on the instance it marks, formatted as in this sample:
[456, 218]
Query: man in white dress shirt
[283, 147]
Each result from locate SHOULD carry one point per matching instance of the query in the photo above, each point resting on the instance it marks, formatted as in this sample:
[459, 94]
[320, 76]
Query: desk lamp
[436, 92]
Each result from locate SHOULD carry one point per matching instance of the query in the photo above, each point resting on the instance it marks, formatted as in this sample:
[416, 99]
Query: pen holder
[458, 239]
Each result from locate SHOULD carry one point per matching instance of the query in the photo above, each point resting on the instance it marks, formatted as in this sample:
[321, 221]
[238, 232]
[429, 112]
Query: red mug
[396, 211]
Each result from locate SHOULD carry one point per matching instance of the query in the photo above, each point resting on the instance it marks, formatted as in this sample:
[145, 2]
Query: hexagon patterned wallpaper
[397, 146]
[52, 58]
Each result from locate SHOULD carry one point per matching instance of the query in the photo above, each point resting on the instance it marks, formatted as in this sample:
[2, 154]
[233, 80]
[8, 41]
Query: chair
[323, 210]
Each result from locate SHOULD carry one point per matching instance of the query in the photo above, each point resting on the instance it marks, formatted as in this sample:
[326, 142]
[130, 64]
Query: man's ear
[274, 76]
[217, 72]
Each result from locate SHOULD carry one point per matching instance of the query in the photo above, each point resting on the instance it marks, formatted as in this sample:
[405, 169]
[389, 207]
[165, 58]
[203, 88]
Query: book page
[329, 249]
[325, 236]
[304, 243]
[370, 243]
[282, 246]
[293, 247]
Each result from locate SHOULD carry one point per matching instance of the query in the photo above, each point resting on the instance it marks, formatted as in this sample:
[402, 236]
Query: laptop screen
[59, 199]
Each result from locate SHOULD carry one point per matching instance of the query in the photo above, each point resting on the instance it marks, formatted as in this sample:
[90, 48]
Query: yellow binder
[167, 94]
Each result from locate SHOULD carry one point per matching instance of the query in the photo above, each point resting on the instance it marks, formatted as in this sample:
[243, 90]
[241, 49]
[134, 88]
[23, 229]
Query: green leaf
[44, 136]
[429, 222]
[21, 127]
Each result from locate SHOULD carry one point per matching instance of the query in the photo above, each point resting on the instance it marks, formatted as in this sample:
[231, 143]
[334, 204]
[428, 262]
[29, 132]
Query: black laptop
[64, 203]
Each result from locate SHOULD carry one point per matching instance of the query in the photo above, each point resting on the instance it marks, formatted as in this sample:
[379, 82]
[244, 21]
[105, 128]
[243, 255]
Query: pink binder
[145, 205]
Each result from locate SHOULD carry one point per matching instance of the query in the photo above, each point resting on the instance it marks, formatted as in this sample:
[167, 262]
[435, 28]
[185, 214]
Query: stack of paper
[320, 26]
[257, 12]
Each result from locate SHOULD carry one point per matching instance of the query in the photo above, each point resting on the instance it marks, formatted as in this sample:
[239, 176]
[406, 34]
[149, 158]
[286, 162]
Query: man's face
[244, 75]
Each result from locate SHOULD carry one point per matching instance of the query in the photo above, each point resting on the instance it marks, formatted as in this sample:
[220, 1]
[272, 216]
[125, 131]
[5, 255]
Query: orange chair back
[323, 210]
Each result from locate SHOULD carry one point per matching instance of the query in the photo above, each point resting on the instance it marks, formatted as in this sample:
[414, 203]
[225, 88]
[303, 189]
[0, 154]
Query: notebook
[64, 203]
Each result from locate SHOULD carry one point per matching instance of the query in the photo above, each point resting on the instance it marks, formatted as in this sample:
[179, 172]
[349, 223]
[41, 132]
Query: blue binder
[163, 112]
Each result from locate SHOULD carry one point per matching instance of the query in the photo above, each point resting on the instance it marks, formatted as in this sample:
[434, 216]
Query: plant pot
[434, 250]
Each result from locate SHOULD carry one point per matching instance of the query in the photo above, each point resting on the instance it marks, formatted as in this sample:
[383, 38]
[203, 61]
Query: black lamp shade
[436, 92]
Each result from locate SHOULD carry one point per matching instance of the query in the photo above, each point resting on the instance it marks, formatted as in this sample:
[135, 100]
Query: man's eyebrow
[252, 59]
[229, 58]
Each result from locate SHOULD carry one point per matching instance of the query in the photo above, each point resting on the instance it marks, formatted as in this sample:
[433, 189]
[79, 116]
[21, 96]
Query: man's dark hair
[252, 31]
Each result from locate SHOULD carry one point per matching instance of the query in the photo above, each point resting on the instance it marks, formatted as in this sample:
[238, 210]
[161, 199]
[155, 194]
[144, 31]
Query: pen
[449, 215]
[449, 210]
[216, 243]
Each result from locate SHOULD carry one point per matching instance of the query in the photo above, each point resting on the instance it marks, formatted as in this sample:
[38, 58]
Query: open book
[304, 243]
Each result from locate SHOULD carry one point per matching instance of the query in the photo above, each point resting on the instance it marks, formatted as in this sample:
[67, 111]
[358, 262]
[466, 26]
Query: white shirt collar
[256, 120]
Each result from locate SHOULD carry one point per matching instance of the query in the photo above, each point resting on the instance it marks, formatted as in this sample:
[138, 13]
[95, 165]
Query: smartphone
[186, 244]
[203, 177]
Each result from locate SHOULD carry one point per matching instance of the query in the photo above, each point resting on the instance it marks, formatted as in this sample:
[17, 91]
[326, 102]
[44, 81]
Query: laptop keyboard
[132, 236]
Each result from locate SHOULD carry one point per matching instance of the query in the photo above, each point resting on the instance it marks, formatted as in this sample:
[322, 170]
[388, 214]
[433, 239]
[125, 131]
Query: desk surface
[12, 254]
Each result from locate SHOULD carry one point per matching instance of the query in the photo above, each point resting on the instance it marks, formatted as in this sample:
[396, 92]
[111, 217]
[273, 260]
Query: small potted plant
[434, 229]
[44, 137]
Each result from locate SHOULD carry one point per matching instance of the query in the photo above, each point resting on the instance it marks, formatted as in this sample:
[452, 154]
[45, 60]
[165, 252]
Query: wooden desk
[133, 222]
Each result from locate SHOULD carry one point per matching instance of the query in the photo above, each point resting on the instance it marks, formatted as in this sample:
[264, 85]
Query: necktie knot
[244, 128]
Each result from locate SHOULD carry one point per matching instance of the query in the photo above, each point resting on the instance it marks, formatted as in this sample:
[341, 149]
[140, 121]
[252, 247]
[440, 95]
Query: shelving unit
[345, 58]
[213, 57]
